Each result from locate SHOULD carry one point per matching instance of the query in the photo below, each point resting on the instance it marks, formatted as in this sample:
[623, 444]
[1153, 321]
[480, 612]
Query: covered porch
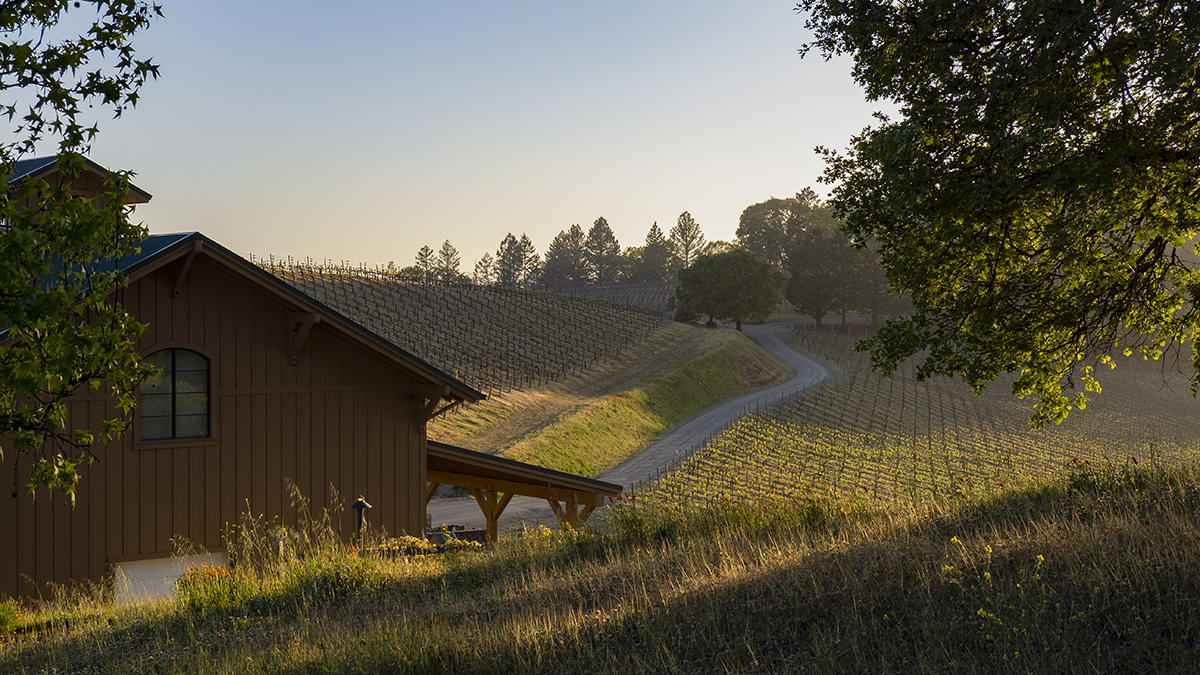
[494, 481]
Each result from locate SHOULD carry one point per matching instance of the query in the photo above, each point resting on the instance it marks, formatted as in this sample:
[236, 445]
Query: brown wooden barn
[261, 386]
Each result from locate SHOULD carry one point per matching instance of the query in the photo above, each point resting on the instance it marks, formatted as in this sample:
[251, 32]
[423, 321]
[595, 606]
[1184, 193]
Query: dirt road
[671, 444]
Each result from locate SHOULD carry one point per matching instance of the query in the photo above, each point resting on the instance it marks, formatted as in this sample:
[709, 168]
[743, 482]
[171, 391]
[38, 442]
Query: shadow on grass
[1099, 572]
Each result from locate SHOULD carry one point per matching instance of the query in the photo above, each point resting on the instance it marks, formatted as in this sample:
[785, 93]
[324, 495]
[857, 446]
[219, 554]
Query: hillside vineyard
[491, 337]
[869, 436]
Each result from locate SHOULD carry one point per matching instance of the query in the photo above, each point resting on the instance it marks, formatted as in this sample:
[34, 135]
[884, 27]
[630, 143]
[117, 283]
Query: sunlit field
[868, 436]
[871, 526]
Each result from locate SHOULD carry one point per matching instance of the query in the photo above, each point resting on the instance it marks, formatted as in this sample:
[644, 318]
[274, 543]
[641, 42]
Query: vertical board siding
[304, 431]
[318, 481]
[337, 419]
[229, 461]
[273, 454]
[289, 451]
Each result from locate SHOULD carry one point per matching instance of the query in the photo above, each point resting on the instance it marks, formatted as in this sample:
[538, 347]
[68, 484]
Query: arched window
[174, 402]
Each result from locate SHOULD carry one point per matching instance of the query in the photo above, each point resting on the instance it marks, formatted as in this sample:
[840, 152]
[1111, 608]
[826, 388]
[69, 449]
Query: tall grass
[1096, 572]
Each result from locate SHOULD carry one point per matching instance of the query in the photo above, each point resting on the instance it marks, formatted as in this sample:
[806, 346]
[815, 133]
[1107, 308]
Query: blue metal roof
[27, 167]
[37, 166]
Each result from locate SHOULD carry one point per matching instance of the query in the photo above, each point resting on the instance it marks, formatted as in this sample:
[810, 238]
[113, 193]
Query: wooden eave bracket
[187, 267]
[435, 394]
[302, 323]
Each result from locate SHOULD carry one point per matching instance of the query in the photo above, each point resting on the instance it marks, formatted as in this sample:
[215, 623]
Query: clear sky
[361, 131]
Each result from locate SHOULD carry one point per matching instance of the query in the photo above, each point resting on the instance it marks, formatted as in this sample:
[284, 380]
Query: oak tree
[1038, 193]
[771, 228]
[731, 286]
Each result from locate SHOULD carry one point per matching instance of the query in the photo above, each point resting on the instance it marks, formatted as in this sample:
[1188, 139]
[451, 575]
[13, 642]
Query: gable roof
[160, 249]
[40, 167]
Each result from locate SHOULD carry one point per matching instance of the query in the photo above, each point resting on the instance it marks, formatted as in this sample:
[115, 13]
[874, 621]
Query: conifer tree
[687, 241]
[447, 263]
[425, 263]
[602, 252]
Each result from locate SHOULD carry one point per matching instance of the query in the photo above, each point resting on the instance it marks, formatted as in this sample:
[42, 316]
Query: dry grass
[1096, 572]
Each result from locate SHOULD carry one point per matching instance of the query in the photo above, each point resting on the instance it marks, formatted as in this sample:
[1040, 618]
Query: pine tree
[652, 261]
[565, 264]
[424, 262]
[447, 263]
[602, 252]
[531, 263]
[485, 270]
[686, 241]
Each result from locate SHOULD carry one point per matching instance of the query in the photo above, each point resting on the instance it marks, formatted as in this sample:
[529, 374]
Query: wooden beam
[569, 514]
[492, 503]
[585, 497]
[558, 510]
[439, 411]
[503, 503]
[429, 490]
[435, 394]
[481, 499]
[302, 324]
[187, 266]
[587, 511]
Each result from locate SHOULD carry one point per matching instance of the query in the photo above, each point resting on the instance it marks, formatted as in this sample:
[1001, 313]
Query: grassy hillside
[871, 526]
[1098, 571]
[589, 422]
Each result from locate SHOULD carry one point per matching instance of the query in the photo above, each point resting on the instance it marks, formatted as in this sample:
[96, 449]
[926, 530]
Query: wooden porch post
[569, 514]
[492, 503]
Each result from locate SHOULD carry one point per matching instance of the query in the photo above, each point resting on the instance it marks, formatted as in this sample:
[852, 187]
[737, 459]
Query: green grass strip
[599, 435]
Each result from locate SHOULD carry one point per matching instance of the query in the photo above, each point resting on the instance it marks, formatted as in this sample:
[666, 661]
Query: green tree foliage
[717, 246]
[687, 241]
[531, 267]
[62, 329]
[731, 286]
[771, 228]
[448, 263]
[869, 291]
[565, 263]
[651, 262]
[425, 263]
[485, 270]
[517, 262]
[510, 262]
[1037, 194]
[602, 253]
[819, 262]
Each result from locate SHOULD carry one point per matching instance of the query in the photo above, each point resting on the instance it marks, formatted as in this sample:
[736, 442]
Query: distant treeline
[573, 259]
[828, 273]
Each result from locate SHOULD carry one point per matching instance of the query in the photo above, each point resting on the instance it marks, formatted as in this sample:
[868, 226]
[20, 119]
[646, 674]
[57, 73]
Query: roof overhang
[451, 465]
